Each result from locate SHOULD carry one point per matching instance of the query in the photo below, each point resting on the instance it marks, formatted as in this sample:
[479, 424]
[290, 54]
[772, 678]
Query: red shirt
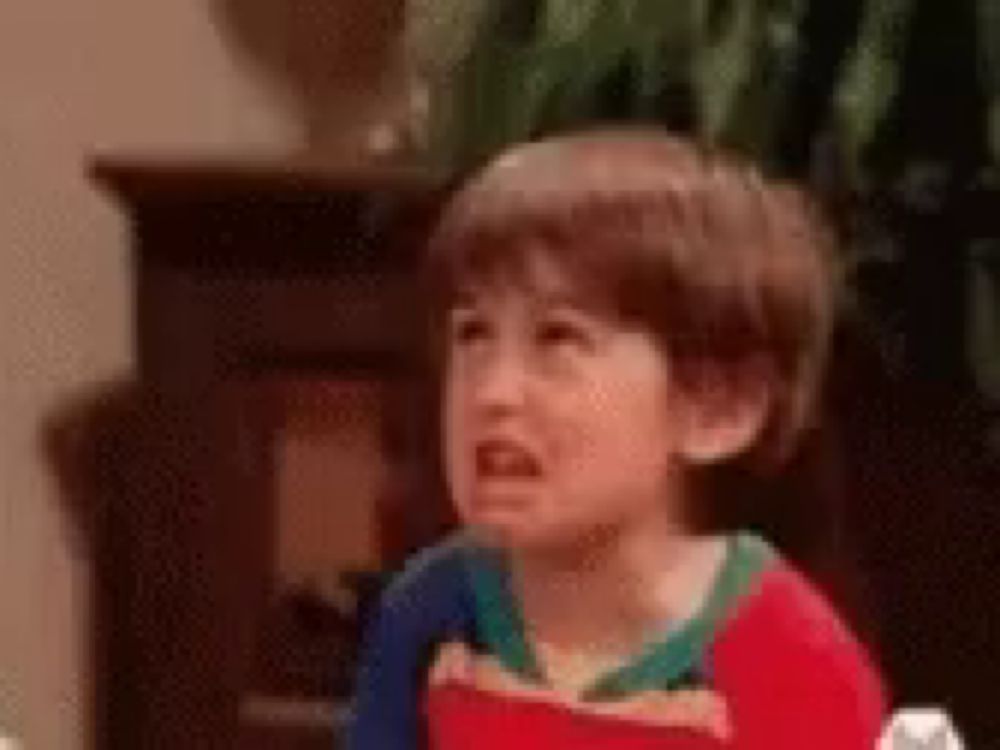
[790, 673]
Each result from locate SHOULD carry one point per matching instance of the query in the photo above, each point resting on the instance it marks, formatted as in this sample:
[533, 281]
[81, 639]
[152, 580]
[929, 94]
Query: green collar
[667, 662]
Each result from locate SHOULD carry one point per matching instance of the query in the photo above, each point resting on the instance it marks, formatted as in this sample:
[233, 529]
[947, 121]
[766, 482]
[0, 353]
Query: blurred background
[181, 184]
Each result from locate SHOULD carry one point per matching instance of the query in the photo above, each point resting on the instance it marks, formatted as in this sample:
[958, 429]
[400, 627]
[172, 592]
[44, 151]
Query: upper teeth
[505, 460]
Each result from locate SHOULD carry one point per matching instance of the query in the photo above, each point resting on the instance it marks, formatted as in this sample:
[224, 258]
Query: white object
[920, 729]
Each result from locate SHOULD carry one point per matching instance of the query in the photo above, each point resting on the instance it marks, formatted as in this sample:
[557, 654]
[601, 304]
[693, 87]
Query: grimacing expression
[556, 417]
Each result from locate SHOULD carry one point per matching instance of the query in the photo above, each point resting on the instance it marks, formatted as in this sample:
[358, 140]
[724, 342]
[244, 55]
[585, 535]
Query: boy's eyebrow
[566, 299]
[462, 298]
[573, 303]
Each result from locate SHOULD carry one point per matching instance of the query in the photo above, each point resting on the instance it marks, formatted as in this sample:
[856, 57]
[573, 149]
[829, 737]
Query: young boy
[623, 317]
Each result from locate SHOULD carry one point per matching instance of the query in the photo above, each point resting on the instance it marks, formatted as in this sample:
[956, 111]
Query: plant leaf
[988, 16]
[870, 81]
[983, 330]
[724, 62]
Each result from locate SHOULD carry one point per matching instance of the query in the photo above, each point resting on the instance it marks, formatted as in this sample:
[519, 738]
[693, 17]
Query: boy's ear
[721, 411]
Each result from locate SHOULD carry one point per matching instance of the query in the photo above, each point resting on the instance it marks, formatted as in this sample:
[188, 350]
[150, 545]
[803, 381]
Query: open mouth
[502, 459]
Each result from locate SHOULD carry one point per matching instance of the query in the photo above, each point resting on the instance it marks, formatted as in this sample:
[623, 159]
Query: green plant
[887, 102]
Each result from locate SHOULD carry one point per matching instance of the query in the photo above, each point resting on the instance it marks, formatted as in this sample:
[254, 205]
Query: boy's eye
[558, 333]
[469, 330]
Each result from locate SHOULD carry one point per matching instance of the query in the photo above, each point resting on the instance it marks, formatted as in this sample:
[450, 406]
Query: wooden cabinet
[252, 280]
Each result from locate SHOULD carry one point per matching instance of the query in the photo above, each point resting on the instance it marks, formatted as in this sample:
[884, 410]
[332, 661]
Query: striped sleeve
[425, 604]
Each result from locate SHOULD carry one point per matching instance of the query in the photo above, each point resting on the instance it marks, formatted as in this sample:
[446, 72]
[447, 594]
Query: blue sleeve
[427, 603]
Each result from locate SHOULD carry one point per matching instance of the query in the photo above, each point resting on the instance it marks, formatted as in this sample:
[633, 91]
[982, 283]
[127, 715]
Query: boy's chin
[527, 538]
[504, 535]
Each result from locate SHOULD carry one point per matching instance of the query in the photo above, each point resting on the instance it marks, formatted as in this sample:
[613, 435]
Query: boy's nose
[502, 385]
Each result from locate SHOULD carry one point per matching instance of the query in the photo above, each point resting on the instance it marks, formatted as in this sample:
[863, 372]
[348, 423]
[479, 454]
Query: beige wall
[75, 77]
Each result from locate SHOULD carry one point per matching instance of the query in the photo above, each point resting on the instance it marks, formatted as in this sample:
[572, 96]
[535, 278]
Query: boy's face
[556, 419]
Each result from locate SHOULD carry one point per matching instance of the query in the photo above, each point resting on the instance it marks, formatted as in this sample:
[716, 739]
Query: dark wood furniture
[248, 269]
[243, 271]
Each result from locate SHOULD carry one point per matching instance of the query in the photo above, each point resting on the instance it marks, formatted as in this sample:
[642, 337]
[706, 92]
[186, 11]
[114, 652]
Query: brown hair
[717, 262]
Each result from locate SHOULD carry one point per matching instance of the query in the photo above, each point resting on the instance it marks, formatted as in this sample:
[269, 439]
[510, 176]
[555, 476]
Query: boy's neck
[616, 593]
